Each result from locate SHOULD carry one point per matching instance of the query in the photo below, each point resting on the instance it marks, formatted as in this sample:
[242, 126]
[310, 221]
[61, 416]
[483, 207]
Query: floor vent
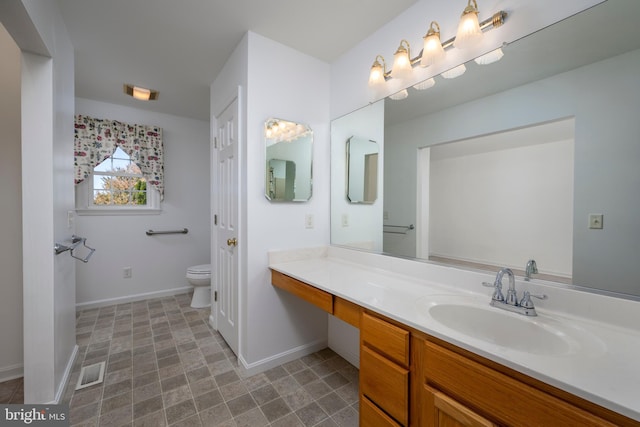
[90, 375]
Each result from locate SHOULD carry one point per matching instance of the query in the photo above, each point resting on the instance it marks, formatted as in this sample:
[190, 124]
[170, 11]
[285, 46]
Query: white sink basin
[476, 319]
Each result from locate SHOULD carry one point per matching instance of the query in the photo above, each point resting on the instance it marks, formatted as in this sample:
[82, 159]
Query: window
[118, 181]
[117, 186]
[119, 167]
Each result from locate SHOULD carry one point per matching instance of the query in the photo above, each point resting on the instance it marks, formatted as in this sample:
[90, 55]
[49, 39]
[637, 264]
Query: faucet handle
[526, 299]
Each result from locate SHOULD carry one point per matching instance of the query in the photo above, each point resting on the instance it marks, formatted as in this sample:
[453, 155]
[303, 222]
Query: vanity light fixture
[424, 85]
[454, 72]
[469, 33]
[432, 50]
[141, 93]
[490, 57]
[399, 95]
[378, 72]
[283, 131]
[402, 61]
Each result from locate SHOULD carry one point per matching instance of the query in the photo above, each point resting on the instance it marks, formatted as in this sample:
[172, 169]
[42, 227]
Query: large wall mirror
[509, 161]
[289, 160]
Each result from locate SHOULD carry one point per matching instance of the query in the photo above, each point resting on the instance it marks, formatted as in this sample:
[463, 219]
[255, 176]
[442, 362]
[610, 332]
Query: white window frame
[85, 198]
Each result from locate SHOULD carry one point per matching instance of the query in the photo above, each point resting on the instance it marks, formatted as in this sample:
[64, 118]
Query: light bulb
[376, 76]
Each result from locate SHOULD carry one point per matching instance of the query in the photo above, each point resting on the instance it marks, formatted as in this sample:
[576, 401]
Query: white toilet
[200, 277]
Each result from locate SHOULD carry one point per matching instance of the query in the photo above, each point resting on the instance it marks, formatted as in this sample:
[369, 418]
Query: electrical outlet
[308, 221]
[126, 272]
[595, 221]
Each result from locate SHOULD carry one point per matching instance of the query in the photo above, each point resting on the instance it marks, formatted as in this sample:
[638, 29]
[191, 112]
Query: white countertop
[605, 371]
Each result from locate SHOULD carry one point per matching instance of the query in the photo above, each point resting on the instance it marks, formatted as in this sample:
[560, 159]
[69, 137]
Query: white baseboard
[11, 372]
[249, 369]
[65, 377]
[132, 298]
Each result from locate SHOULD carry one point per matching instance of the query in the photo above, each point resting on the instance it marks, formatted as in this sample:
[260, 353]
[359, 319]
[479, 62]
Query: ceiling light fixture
[141, 93]
[434, 50]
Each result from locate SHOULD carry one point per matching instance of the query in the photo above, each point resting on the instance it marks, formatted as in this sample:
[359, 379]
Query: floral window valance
[96, 139]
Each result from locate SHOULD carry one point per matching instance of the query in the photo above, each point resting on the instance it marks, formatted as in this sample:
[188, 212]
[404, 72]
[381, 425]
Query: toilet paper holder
[75, 242]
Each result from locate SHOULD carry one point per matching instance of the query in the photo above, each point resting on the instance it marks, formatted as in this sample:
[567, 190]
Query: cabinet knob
[232, 242]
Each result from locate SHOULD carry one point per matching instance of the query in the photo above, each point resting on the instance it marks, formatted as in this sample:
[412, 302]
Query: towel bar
[183, 231]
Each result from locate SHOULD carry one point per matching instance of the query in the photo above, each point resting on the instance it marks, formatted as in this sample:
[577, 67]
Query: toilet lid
[200, 269]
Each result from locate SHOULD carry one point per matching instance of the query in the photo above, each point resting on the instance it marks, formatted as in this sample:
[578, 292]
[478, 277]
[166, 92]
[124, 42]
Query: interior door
[227, 171]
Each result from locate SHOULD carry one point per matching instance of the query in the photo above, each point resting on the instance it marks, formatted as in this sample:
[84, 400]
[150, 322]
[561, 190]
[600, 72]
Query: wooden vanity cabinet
[384, 372]
[459, 391]
[408, 378]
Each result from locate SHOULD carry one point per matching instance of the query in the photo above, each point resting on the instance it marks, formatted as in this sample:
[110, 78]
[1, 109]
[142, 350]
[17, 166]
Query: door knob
[232, 242]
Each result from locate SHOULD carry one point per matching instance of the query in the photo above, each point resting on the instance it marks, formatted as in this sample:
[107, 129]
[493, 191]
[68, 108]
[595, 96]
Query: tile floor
[165, 366]
[12, 391]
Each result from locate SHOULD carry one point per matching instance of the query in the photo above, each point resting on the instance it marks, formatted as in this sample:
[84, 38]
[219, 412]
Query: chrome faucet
[511, 303]
[530, 269]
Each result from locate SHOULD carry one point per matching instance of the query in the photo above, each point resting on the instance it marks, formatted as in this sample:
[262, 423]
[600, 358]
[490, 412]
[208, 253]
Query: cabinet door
[443, 411]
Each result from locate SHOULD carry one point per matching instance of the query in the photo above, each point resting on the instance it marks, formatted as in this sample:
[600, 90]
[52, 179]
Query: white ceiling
[178, 47]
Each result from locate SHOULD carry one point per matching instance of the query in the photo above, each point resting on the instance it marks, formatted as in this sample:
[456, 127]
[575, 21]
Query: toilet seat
[202, 269]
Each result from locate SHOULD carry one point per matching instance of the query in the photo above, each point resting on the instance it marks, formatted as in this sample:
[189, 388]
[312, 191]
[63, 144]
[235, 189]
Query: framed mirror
[362, 170]
[564, 79]
[289, 160]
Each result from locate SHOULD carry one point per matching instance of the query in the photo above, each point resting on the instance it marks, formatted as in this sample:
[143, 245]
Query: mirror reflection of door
[362, 170]
[282, 178]
[370, 190]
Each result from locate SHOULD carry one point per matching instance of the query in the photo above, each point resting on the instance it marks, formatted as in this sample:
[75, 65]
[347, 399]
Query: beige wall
[10, 211]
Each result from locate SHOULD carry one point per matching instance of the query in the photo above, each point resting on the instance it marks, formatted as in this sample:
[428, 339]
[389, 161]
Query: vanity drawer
[385, 383]
[497, 395]
[372, 416]
[388, 339]
[315, 296]
[347, 311]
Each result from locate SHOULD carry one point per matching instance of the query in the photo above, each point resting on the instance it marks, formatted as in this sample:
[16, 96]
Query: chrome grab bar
[183, 231]
[75, 242]
[405, 228]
